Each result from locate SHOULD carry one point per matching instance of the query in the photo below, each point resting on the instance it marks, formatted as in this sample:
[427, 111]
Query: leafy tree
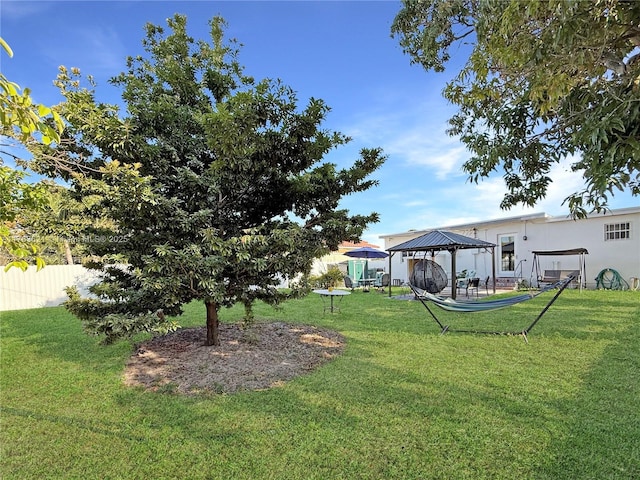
[21, 121]
[64, 224]
[215, 183]
[22, 118]
[16, 196]
[543, 81]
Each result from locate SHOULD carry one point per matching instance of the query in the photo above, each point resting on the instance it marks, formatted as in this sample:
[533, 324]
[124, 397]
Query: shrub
[330, 278]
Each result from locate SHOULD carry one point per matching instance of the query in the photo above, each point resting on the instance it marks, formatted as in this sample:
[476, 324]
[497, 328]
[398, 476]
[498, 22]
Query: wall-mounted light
[524, 238]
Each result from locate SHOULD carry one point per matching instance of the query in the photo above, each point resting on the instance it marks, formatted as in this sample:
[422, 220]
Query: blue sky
[339, 51]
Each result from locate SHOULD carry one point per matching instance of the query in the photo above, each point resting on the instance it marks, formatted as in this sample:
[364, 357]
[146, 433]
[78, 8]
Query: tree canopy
[215, 183]
[22, 118]
[21, 121]
[544, 81]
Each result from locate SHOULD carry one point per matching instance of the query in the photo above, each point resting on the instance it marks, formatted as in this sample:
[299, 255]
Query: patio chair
[348, 283]
[383, 282]
[463, 283]
[472, 284]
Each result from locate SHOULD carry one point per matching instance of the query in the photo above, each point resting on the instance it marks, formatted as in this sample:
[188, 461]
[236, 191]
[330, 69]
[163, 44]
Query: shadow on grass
[56, 334]
[401, 402]
[603, 418]
[101, 427]
[369, 413]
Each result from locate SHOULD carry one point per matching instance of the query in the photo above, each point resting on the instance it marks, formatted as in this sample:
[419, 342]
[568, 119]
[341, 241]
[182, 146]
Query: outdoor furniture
[486, 283]
[463, 282]
[553, 276]
[550, 276]
[472, 284]
[366, 283]
[437, 241]
[366, 253]
[452, 305]
[348, 283]
[429, 276]
[328, 298]
[382, 281]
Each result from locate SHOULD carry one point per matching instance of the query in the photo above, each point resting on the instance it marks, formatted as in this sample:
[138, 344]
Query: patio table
[331, 294]
[366, 283]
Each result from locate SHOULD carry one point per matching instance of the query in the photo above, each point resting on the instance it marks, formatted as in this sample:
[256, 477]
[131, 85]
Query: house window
[617, 231]
[507, 252]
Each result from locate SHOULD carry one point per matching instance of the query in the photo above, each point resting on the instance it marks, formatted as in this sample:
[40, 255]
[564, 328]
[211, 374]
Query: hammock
[451, 305]
[484, 306]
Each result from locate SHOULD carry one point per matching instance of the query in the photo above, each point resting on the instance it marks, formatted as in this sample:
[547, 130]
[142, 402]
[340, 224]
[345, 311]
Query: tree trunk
[213, 337]
[67, 253]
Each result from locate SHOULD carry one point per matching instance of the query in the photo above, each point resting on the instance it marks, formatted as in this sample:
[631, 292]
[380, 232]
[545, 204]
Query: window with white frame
[507, 245]
[617, 231]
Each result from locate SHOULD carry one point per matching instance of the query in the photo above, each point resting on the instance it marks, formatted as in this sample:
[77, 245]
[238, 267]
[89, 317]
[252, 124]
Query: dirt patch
[264, 356]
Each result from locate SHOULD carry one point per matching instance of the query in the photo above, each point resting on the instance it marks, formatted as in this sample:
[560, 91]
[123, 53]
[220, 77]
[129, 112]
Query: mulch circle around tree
[263, 356]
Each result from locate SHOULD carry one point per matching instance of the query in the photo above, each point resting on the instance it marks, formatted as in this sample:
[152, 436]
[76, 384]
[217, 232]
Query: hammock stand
[474, 307]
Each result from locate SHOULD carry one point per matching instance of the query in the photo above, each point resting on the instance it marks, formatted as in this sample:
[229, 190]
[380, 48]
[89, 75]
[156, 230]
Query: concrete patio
[460, 295]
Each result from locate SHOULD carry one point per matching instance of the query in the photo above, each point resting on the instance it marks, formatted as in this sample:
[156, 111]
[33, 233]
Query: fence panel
[31, 289]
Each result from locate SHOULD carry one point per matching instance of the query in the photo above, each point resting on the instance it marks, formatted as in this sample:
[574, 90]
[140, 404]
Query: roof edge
[519, 218]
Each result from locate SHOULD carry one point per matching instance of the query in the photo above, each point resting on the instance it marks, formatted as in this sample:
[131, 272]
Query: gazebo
[441, 240]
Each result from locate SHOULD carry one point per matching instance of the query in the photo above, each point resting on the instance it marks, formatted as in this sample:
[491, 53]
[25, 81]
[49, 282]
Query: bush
[331, 278]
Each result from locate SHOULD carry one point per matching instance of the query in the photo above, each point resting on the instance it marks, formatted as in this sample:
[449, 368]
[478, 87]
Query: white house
[612, 241]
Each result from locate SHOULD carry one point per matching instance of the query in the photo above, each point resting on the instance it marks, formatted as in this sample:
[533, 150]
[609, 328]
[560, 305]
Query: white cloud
[426, 144]
[424, 147]
[415, 203]
[24, 9]
[564, 182]
[456, 202]
[96, 51]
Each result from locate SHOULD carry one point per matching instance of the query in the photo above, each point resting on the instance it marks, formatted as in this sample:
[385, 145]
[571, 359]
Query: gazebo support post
[454, 278]
[493, 268]
[390, 281]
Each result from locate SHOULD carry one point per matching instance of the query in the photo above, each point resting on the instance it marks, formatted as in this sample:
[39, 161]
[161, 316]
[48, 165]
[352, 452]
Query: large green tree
[216, 183]
[542, 81]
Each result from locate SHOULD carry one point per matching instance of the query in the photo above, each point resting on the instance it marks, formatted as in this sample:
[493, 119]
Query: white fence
[31, 289]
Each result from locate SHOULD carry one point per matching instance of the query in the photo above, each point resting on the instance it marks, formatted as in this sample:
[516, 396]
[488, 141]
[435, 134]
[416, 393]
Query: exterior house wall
[622, 255]
[534, 233]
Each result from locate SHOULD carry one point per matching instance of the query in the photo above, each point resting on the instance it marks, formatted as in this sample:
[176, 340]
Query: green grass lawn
[402, 402]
